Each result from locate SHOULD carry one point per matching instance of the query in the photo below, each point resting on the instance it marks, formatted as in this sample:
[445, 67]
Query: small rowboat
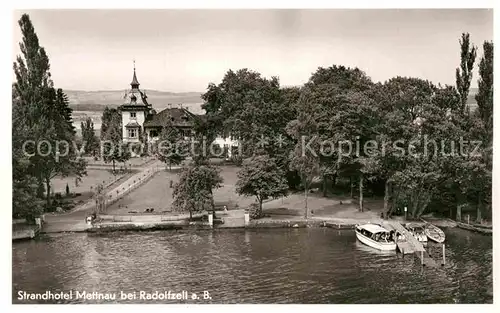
[434, 233]
[417, 230]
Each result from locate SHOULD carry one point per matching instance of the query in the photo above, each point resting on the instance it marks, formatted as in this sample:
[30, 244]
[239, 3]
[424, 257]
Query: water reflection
[255, 266]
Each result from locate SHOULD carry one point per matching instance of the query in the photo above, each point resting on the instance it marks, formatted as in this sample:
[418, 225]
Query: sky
[185, 50]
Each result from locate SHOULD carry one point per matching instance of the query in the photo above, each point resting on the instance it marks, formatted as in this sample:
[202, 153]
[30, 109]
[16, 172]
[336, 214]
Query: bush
[68, 206]
[254, 211]
[237, 160]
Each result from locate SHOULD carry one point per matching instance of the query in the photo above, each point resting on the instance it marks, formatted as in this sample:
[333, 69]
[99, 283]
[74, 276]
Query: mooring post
[468, 218]
[247, 218]
[444, 255]
[396, 241]
[210, 218]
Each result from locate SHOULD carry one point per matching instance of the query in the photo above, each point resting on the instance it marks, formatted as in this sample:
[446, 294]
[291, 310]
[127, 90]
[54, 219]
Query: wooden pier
[411, 244]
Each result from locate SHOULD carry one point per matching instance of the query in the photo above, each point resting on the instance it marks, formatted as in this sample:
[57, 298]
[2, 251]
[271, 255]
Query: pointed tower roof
[135, 83]
[135, 99]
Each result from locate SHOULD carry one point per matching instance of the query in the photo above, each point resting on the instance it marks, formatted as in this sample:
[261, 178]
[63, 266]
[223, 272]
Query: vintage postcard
[243, 156]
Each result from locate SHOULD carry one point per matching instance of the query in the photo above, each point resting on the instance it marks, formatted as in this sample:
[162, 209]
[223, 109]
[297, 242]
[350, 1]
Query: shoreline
[196, 225]
[142, 223]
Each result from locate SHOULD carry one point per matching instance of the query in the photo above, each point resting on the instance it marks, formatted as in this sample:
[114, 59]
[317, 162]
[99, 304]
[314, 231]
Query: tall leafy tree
[90, 141]
[113, 148]
[464, 73]
[171, 146]
[194, 190]
[341, 77]
[255, 110]
[25, 203]
[304, 158]
[484, 96]
[463, 80]
[45, 112]
[109, 115]
[484, 99]
[346, 111]
[261, 177]
[246, 106]
[402, 105]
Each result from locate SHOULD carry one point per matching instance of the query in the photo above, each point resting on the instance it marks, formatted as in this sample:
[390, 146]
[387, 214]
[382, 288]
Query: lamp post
[406, 209]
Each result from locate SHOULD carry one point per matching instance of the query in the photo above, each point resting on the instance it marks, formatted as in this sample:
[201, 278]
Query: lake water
[316, 265]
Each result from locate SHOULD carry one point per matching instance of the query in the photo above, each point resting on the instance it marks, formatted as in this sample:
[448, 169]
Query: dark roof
[134, 107]
[133, 124]
[177, 116]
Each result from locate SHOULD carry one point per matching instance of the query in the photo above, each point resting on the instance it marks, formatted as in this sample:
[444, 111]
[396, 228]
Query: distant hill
[96, 100]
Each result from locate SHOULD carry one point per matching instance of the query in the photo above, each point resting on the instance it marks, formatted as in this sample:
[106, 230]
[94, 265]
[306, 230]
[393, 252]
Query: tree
[262, 178]
[25, 203]
[246, 106]
[90, 141]
[171, 146]
[109, 116]
[484, 99]
[402, 103]
[484, 96]
[255, 110]
[463, 81]
[304, 157]
[44, 112]
[464, 73]
[341, 77]
[113, 148]
[194, 190]
[345, 115]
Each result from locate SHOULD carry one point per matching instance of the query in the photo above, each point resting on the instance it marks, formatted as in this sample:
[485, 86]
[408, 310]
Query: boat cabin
[376, 233]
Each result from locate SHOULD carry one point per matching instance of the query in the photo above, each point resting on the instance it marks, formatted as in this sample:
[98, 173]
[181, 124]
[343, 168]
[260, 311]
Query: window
[132, 132]
[153, 133]
[132, 115]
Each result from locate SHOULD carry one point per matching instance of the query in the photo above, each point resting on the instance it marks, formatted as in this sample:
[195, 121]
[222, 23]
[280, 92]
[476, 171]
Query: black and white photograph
[201, 156]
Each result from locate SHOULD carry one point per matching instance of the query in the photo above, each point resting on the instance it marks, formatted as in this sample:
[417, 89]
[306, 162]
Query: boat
[375, 236]
[417, 230]
[434, 233]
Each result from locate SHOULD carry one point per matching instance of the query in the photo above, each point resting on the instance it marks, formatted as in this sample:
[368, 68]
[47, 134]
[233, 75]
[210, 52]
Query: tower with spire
[140, 123]
[135, 110]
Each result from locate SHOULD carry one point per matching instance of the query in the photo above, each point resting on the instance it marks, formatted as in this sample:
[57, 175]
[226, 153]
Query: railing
[153, 218]
[133, 183]
[472, 220]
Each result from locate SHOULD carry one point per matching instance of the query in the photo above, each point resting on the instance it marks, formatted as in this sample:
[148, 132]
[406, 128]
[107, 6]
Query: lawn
[157, 194]
[333, 207]
[93, 178]
[85, 188]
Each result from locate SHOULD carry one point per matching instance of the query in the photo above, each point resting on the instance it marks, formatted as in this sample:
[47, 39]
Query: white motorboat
[375, 236]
